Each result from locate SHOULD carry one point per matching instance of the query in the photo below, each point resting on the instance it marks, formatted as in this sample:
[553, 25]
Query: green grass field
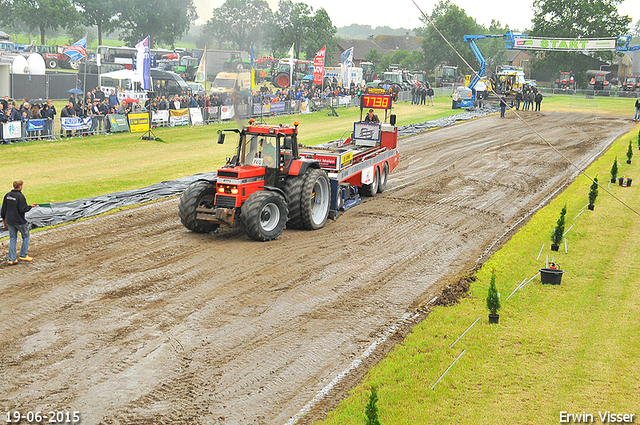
[569, 348]
[82, 167]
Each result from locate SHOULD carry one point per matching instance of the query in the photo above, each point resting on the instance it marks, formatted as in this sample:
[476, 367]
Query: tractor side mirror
[220, 138]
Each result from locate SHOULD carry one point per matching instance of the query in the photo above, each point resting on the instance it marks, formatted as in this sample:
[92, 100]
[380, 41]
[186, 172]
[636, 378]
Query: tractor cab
[264, 151]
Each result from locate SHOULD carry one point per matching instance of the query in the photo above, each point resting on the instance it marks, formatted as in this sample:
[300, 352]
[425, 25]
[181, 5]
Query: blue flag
[78, 50]
[142, 63]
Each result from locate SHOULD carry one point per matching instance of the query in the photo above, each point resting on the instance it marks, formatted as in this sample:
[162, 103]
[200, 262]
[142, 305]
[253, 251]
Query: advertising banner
[179, 117]
[138, 122]
[196, 116]
[35, 125]
[226, 112]
[278, 107]
[566, 44]
[75, 123]
[160, 117]
[118, 123]
[266, 108]
[12, 130]
[318, 66]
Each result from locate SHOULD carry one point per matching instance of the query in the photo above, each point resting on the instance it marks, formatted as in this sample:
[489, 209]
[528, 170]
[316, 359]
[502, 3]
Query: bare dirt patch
[132, 319]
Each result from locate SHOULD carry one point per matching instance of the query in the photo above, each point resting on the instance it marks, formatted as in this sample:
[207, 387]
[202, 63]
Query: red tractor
[599, 84]
[270, 183]
[565, 81]
[631, 86]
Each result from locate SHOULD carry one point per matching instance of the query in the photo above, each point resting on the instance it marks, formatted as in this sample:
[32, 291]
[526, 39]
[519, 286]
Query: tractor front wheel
[198, 194]
[264, 215]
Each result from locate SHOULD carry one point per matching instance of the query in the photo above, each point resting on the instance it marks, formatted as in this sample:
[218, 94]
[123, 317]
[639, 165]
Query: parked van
[229, 82]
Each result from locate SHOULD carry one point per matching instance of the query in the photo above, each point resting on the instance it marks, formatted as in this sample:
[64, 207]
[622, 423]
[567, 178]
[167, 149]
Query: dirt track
[132, 319]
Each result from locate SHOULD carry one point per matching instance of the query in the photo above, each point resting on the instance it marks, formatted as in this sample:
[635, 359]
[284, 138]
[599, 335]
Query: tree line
[237, 24]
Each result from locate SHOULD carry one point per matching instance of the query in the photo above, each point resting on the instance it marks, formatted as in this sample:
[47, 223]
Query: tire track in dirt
[131, 319]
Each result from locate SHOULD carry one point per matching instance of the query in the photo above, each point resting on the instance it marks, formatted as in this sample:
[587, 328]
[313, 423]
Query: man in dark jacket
[14, 207]
[538, 100]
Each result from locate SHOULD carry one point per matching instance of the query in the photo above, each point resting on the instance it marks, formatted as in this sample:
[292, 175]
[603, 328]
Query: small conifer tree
[493, 300]
[614, 170]
[371, 411]
[593, 192]
[629, 153]
[558, 232]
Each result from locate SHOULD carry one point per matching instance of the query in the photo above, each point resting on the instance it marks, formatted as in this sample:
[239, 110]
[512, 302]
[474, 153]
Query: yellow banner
[139, 122]
[179, 112]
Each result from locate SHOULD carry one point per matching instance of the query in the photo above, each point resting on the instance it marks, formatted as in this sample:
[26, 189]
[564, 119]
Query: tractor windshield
[260, 150]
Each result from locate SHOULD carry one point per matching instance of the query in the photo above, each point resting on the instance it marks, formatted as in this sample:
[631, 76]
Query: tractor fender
[300, 166]
[277, 190]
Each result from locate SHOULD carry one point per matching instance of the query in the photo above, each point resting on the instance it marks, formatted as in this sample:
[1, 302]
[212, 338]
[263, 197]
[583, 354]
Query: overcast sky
[404, 13]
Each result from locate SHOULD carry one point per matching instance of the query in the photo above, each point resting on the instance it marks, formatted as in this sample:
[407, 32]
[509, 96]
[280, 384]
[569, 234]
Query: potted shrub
[629, 153]
[593, 194]
[614, 170]
[493, 300]
[558, 232]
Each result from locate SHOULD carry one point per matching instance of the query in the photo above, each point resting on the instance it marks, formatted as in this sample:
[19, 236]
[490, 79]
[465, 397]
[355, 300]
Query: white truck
[334, 74]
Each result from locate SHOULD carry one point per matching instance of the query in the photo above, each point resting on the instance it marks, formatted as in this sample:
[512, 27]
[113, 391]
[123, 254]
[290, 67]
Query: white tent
[123, 74]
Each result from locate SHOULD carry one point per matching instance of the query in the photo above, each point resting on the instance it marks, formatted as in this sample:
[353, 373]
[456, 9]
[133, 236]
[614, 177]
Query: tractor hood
[241, 172]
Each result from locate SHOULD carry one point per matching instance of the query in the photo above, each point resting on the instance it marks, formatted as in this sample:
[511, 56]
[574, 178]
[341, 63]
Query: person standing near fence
[538, 100]
[14, 207]
[49, 114]
[637, 116]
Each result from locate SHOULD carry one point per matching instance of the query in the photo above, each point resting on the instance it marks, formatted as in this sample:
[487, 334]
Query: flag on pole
[346, 62]
[318, 66]
[78, 50]
[201, 73]
[253, 69]
[291, 53]
[142, 63]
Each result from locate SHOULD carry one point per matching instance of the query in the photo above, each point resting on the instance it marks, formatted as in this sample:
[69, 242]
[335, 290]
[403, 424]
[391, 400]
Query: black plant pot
[591, 207]
[621, 181]
[555, 247]
[494, 318]
[613, 180]
[628, 161]
[551, 276]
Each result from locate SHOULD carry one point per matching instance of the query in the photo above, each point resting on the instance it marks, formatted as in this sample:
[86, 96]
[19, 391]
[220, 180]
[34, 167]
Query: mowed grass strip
[76, 168]
[569, 348]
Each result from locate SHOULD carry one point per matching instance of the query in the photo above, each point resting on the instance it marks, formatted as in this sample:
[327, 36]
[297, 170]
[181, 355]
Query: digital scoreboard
[375, 101]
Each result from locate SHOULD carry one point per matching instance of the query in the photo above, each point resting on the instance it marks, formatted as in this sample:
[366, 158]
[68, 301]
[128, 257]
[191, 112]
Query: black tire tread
[306, 209]
[188, 204]
[293, 190]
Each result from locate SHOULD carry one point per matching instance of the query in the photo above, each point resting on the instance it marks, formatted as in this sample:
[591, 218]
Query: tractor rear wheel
[282, 80]
[264, 215]
[197, 194]
[316, 197]
[309, 199]
[372, 188]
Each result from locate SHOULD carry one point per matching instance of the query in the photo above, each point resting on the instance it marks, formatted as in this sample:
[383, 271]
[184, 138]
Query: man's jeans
[13, 240]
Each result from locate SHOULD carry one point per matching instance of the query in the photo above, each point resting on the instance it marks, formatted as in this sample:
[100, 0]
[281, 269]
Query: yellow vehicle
[229, 82]
[508, 80]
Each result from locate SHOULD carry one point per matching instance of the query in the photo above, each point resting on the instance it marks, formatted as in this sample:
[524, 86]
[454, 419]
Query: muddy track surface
[132, 319]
